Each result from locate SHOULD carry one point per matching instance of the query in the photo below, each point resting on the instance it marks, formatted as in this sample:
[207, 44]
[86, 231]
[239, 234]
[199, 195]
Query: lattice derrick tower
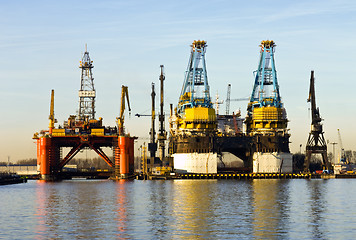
[195, 91]
[316, 143]
[87, 90]
[265, 111]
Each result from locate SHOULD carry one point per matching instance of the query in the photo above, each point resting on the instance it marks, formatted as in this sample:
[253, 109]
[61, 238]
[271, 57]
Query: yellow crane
[120, 119]
[51, 118]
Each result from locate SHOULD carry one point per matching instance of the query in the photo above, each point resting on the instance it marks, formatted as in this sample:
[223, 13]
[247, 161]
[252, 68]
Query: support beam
[70, 155]
[102, 155]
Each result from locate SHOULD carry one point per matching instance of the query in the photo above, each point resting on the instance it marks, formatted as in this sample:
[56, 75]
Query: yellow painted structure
[58, 132]
[198, 118]
[97, 131]
[268, 117]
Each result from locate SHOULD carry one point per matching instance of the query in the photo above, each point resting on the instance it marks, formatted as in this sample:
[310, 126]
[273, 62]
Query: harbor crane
[316, 143]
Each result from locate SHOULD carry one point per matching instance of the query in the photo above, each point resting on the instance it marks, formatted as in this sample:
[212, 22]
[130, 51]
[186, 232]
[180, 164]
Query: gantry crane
[316, 142]
[121, 118]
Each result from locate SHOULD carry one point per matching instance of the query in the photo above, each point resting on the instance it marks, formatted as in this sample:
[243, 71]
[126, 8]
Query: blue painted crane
[195, 90]
[266, 90]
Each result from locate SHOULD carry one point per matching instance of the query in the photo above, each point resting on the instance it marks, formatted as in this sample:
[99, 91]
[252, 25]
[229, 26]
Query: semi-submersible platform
[200, 139]
[84, 131]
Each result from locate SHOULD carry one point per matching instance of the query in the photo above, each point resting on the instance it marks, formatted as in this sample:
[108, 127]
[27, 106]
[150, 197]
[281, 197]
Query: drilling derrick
[87, 90]
[316, 142]
[195, 118]
[266, 119]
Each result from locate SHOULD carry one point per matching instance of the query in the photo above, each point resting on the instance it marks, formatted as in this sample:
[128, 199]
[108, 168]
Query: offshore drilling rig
[266, 120]
[193, 125]
[84, 131]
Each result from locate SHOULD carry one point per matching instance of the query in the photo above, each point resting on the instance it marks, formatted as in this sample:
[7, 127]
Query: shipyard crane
[121, 118]
[194, 122]
[51, 118]
[342, 150]
[316, 143]
[229, 100]
[195, 91]
[265, 111]
[266, 120]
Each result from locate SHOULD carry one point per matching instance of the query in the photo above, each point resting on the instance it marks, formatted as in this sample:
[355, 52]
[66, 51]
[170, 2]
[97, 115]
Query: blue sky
[41, 43]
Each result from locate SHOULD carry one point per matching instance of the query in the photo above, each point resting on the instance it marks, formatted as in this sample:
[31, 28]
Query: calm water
[181, 209]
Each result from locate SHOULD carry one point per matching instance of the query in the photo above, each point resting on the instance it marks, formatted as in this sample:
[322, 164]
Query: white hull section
[195, 162]
[272, 162]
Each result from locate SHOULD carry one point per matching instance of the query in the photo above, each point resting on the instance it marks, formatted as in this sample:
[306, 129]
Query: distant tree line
[82, 163]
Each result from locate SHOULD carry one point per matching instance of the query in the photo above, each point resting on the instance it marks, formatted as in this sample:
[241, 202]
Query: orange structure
[84, 132]
[50, 163]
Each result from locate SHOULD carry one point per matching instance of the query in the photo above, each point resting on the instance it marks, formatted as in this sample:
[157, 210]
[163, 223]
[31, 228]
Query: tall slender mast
[152, 146]
[162, 135]
[87, 90]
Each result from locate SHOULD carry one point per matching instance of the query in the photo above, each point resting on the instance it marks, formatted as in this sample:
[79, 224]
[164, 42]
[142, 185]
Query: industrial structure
[194, 121]
[202, 141]
[316, 143]
[84, 131]
[342, 150]
[266, 120]
[162, 134]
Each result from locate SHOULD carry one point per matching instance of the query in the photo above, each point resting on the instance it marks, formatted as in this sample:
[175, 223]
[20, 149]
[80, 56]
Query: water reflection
[191, 209]
[40, 214]
[70, 209]
[193, 212]
[121, 216]
[271, 208]
[317, 204]
[160, 210]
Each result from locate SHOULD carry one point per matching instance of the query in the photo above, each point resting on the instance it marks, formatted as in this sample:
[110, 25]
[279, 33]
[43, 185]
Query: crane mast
[228, 99]
[162, 135]
[51, 118]
[152, 146]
